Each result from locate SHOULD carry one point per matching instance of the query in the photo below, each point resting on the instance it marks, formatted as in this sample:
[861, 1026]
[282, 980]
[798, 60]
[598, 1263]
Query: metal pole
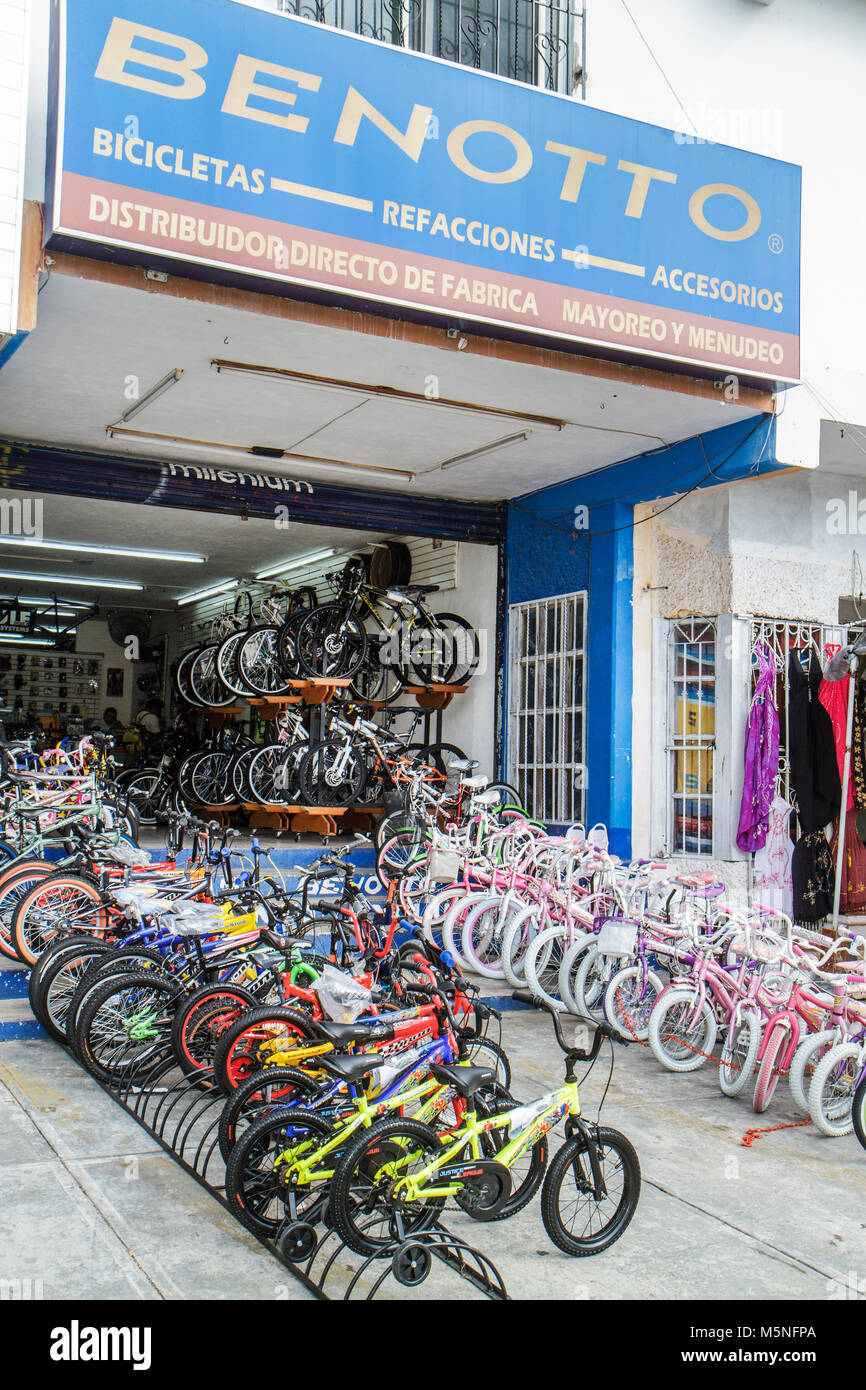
[846, 778]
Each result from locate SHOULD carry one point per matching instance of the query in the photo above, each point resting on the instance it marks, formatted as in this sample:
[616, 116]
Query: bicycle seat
[414, 588]
[465, 1080]
[463, 764]
[341, 1034]
[352, 1068]
[476, 783]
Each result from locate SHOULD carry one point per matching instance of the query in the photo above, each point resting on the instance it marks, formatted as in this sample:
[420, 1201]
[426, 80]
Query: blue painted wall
[546, 555]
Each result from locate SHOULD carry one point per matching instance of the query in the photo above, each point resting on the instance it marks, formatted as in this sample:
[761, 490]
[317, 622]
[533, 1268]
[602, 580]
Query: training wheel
[411, 1263]
[298, 1242]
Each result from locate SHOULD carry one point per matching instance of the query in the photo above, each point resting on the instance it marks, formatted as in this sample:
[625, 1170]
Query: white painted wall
[786, 80]
[93, 637]
[14, 81]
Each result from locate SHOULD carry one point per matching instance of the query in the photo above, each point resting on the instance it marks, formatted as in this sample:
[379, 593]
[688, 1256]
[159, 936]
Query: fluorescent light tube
[184, 557]
[154, 393]
[295, 564]
[70, 579]
[208, 593]
[41, 601]
[26, 641]
[484, 449]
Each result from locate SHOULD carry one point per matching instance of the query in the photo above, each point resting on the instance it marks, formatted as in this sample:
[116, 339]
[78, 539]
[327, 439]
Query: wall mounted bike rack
[182, 1114]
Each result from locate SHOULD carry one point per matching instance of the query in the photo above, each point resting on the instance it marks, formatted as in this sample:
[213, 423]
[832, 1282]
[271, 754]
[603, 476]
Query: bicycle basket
[342, 998]
[616, 937]
[443, 866]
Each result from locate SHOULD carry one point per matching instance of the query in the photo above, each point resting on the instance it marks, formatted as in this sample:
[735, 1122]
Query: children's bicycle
[403, 1171]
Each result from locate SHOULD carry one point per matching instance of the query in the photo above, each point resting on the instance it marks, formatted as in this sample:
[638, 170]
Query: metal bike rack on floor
[182, 1114]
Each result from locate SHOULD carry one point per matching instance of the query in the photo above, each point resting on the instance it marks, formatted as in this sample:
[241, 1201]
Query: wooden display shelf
[319, 692]
[435, 696]
[217, 717]
[273, 706]
[310, 820]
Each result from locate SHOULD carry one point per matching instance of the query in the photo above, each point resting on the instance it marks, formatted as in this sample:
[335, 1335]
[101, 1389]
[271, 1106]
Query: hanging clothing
[811, 750]
[852, 895]
[834, 697]
[813, 877]
[761, 756]
[858, 747]
[772, 868]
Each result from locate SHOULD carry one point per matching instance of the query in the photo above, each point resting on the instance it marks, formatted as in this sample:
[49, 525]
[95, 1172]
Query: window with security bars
[692, 746]
[547, 721]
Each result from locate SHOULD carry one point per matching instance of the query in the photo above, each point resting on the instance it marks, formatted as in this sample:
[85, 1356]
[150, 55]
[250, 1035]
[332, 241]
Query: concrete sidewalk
[92, 1207]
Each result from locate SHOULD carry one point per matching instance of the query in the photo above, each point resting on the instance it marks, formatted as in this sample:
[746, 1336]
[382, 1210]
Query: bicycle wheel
[16, 883]
[809, 1053]
[681, 1035]
[273, 773]
[484, 1052]
[367, 1208]
[769, 1070]
[51, 991]
[202, 1019]
[259, 661]
[181, 675]
[204, 679]
[260, 1190]
[147, 792]
[240, 774]
[464, 646]
[397, 854]
[629, 999]
[330, 644]
[331, 775]
[831, 1095]
[740, 1053]
[248, 1045]
[571, 963]
[62, 903]
[126, 1024]
[100, 962]
[210, 782]
[577, 1220]
[278, 1088]
[542, 963]
[482, 935]
[858, 1113]
[227, 663]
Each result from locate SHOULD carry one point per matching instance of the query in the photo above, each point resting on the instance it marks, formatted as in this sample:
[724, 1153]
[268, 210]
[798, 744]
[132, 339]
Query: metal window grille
[547, 720]
[692, 741]
[782, 638]
[533, 41]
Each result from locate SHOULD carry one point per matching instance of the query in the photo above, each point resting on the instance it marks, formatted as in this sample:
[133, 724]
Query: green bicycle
[394, 1179]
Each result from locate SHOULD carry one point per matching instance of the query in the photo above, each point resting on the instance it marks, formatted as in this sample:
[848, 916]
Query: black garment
[811, 748]
[813, 877]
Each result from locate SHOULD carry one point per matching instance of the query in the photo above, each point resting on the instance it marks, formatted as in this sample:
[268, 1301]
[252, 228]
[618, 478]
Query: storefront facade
[409, 297]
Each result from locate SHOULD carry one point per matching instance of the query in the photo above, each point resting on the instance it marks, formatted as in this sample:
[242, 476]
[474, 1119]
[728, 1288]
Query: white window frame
[528, 767]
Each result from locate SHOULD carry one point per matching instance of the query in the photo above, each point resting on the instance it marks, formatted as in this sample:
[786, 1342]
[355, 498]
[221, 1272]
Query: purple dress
[761, 757]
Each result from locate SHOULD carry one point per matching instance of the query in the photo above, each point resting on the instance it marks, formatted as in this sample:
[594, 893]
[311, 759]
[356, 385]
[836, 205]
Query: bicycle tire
[568, 1160]
[29, 938]
[278, 1088]
[739, 1054]
[675, 1052]
[236, 1055]
[355, 1178]
[768, 1072]
[255, 1195]
[330, 644]
[109, 1060]
[837, 1121]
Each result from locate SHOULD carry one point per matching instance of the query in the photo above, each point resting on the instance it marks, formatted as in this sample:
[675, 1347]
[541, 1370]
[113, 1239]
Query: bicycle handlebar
[602, 1030]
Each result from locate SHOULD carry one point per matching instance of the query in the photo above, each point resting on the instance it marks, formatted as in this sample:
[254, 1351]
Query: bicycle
[403, 1172]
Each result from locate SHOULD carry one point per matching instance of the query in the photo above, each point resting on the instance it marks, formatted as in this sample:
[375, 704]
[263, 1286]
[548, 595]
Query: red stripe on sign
[148, 221]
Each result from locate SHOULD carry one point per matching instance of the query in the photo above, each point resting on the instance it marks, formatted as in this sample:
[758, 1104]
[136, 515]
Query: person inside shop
[111, 724]
[149, 719]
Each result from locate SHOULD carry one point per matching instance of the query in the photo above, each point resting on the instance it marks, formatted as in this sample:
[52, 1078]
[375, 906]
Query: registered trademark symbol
[775, 243]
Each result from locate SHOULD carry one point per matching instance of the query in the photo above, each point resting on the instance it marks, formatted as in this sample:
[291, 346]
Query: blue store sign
[215, 133]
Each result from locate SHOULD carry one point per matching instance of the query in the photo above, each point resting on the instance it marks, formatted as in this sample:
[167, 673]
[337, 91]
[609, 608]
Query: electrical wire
[649, 50]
